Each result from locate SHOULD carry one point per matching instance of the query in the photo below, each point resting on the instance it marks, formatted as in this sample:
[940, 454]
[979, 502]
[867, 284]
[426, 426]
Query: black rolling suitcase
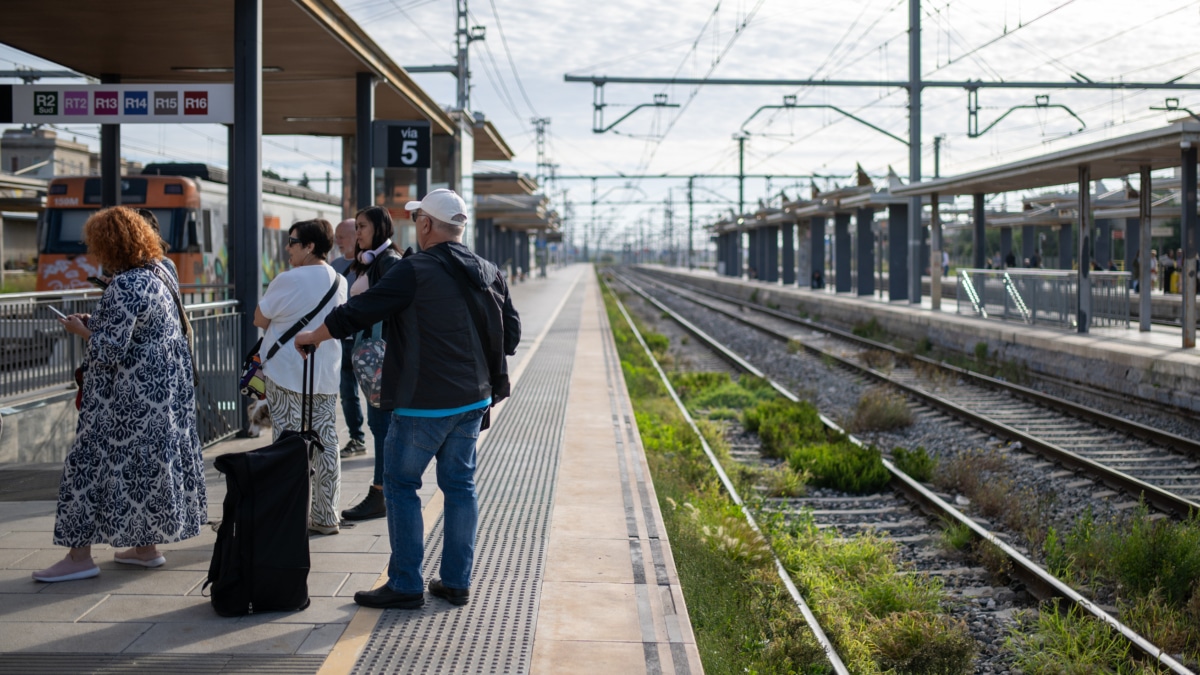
[260, 562]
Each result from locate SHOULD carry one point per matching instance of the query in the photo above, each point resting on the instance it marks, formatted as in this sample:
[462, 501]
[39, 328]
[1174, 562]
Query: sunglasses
[415, 215]
[292, 241]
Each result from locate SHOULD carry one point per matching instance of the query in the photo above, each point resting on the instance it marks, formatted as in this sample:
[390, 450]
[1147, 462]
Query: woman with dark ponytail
[375, 253]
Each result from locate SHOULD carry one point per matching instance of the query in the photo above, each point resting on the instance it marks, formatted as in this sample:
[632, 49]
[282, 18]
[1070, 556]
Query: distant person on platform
[436, 382]
[1035, 261]
[1166, 266]
[1010, 260]
[945, 263]
[348, 388]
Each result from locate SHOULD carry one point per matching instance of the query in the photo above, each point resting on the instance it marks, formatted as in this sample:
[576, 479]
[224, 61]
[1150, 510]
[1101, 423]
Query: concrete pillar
[245, 171]
[789, 253]
[864, 219]
[522, 257]
[816, 238]
[803, 254]
[364, 97]
[755, 267]
[1084, 286]
[1133, 242]
[110, 157]
[1006, 246]
[733, 250]
[979, 240]
[844, 283]
[936, 247]
[926, 263]
[1145, 285]
[897, 252]
[1187, 235]
[772, 244]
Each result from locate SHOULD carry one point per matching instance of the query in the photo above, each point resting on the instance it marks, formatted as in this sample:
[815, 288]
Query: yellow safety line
[345, 653]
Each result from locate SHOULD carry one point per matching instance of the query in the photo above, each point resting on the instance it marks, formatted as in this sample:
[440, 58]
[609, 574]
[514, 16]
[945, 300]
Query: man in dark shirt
[438, 383]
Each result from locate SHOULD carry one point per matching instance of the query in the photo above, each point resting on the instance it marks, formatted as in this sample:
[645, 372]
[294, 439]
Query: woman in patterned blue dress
[134, 476]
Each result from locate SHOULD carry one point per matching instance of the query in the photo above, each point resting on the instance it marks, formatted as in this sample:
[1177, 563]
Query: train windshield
[64, 229]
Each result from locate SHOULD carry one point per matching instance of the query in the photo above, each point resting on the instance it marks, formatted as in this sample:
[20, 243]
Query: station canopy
[1113, 158]
[311, 54]
[21, 194]
[511, 202]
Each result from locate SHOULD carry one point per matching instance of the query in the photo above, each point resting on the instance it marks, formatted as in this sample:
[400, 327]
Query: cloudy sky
[518, 74]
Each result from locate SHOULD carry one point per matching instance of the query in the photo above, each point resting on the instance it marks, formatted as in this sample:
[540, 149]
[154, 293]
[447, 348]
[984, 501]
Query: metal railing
[1043, 296]
[37, 356]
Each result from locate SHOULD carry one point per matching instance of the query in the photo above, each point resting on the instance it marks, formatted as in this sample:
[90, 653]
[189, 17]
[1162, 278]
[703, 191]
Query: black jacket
[434, 357]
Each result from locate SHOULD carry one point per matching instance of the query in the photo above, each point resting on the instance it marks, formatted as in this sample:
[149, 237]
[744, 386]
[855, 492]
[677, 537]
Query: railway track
[881, 512]
[1136, 459]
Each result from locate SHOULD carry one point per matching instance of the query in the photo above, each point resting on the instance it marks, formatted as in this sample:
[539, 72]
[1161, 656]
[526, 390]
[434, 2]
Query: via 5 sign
[122, 103]
[401, 145]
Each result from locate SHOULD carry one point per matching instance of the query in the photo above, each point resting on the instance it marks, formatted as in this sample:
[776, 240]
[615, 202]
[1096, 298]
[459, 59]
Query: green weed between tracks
[1152, 566]
[881, 619]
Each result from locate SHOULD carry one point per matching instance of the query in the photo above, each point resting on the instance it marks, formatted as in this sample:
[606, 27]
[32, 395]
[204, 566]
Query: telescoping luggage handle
[307, 388]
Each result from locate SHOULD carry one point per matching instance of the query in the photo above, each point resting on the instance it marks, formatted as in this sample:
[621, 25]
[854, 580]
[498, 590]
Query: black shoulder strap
[299, 325]
[158, 270]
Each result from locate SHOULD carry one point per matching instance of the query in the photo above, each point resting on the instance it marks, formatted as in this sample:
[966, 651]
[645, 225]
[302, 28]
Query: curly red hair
[121, 239]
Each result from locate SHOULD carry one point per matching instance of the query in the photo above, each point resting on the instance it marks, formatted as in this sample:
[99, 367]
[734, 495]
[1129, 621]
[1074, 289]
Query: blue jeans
[411, 443]
[380, 423]
[351, 407]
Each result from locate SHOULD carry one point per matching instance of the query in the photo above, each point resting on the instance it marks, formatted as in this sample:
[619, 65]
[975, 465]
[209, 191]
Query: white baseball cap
[441, 204]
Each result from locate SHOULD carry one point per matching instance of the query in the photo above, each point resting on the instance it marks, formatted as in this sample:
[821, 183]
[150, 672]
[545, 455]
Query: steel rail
[1040, 582]
[1161, 499]
[826, 644]
[1143, 431]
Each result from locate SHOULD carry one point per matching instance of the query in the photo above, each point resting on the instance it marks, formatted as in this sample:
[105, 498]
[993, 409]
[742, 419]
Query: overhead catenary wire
[512, 64]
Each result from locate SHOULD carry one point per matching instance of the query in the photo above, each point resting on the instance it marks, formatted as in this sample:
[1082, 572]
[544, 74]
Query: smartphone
[57, 311]
[97, 281]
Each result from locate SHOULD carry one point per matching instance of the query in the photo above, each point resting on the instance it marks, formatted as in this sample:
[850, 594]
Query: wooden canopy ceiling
[316, 47]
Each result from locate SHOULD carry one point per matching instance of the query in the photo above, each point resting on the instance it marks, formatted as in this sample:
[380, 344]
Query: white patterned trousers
[285, 407]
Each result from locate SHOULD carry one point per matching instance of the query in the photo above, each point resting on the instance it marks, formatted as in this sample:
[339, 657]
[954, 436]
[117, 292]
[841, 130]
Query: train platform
[573, 569]
[1117, 359]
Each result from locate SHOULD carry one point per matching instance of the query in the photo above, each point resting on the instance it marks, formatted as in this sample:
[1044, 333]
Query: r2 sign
[402, 145]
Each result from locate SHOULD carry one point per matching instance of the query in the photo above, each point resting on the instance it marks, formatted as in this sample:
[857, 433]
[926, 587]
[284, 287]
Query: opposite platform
[1149, 366]
[573, 571]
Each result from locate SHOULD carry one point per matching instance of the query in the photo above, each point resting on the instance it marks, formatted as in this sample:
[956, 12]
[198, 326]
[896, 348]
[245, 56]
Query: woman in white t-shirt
[291, 296]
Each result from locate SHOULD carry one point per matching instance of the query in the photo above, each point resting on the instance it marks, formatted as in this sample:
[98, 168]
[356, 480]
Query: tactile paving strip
[517, 465]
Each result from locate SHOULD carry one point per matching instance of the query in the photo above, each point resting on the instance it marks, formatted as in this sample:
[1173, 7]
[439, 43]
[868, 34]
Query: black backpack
[496, 322]
[260, 562]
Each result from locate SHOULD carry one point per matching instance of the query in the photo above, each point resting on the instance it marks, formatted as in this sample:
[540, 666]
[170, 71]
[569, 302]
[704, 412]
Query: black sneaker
[353, 448]
[385, 598]
[372, 506]
[454, 596]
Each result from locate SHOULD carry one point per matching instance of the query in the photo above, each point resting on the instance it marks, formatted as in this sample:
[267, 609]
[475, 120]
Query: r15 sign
[402, 145]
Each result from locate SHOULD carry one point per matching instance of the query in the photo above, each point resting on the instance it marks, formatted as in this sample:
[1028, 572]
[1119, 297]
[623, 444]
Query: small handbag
[367, 360]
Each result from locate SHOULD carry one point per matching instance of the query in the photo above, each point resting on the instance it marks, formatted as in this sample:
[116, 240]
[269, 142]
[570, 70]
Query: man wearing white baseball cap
[442, 205]
[448, 324]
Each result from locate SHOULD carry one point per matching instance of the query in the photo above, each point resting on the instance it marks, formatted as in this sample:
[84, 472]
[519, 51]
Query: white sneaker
[67, 570]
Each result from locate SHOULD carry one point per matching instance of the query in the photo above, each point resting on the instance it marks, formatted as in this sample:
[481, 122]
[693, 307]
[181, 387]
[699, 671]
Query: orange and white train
[191, 202]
